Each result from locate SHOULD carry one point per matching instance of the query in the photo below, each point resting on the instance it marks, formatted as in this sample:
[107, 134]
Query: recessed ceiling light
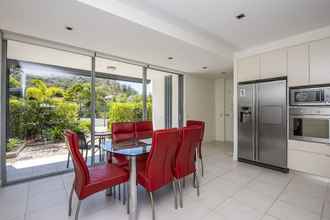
[240, 16]
[170, 58]
[69, 28]
[204, 67]
[111, 68]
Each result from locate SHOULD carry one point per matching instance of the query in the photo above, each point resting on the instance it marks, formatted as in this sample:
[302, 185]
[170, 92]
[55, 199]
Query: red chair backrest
[122, 131]
[197, 123]
[185, 155]
[143, 129]
[80, 167]
[160, 162]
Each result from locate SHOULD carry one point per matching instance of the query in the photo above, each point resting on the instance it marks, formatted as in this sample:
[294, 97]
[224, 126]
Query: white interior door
[219, 109]
[228, 110]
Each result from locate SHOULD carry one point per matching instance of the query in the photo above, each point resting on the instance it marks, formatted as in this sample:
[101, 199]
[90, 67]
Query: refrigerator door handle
[256, 151]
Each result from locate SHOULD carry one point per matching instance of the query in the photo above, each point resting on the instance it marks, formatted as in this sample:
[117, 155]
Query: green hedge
[127, 112]
[33, 120]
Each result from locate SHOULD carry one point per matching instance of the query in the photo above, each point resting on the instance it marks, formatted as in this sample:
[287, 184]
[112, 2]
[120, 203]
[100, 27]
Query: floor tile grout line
[279, 195]
[232, 196]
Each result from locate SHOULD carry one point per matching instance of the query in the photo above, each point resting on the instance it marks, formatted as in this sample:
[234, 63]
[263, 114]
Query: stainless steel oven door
[314, 128]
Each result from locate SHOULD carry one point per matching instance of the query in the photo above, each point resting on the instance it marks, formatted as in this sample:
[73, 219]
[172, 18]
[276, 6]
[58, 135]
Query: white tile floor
[230, 190]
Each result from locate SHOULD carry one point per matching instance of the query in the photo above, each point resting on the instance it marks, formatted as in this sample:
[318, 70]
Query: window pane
[119, 95]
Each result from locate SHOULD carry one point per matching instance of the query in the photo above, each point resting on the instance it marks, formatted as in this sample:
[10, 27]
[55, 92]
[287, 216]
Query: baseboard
[281, 169]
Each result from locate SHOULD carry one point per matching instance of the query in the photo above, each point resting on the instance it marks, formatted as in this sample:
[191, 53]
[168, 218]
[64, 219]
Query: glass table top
[128, 148]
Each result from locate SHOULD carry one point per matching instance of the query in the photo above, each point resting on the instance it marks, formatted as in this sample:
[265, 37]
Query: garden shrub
[12, 144]
[127, 112]
[16, 109]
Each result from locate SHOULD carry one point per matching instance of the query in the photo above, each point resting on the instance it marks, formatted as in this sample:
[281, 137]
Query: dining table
[130, 149]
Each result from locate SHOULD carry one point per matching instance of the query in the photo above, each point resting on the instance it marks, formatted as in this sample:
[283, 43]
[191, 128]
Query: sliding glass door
[48, 91]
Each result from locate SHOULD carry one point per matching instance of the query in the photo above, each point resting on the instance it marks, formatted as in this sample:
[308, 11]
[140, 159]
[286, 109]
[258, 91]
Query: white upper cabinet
[320, 62]
[298, 65]
[248, 69]
[273, 64]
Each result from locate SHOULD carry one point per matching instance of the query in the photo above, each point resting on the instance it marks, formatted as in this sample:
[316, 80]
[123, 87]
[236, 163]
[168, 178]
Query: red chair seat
[103, 177]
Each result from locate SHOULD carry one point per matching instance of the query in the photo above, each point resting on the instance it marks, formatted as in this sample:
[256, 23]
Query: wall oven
[310, 124]
[318, 96]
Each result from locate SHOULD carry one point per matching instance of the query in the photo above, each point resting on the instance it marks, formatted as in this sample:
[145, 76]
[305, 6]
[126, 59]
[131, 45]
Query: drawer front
[313, 163]
[312, 147]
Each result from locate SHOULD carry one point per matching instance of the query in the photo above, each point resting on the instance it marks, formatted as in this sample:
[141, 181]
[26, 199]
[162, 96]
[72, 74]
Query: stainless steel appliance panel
[310, 124]
[312, 96]
[246, 121]
[271, 123]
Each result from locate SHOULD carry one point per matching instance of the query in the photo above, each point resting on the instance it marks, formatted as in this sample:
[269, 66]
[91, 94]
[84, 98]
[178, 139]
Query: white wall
[199, 103]
[314, 35]
[158, 98]
[1, 110]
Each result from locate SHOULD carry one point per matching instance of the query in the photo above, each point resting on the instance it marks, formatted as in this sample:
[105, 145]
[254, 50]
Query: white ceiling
[196, 33]
[101, 31]
[266, 20]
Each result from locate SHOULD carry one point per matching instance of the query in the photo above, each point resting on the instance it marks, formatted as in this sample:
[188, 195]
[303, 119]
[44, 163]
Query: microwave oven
[314, 96]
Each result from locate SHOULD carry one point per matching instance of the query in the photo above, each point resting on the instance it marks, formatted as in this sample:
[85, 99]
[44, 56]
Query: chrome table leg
[132, 189]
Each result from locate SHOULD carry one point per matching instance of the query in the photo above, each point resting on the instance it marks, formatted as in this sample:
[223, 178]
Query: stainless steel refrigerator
[262, 123]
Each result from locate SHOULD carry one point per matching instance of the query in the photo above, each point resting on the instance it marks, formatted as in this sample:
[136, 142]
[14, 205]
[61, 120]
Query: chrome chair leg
[180, 193]
[194, 180]
[152, 205]
[197, 183]
[124, 193]
[70, 200]
[202, 165]
[119, 194]
[175, 194]
[128, 198]
[78, 209]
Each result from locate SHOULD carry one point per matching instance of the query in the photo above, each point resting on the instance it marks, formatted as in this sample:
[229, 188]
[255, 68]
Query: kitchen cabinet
[273, 64]
[248, 69]
[298, 65]
[320, 61]
[313, 158]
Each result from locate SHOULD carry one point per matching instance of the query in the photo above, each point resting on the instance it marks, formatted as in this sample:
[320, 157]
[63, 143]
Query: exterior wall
[199, 103]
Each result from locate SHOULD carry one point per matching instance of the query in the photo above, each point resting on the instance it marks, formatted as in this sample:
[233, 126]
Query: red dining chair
[185, 156]
[157, 171]
[202, 125]
[121, 131]
[143, 129]
[88, 181]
